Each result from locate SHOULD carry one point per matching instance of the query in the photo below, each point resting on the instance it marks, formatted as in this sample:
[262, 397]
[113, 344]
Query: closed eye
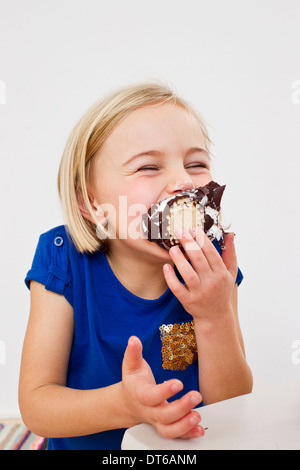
[148, 168]
[197, 165]
[192, 165]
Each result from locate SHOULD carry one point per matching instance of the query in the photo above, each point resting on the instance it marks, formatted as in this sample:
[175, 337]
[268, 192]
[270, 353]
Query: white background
[236, 61]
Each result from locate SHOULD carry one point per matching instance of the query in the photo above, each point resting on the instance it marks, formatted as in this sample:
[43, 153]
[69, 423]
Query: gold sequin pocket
[179, 347]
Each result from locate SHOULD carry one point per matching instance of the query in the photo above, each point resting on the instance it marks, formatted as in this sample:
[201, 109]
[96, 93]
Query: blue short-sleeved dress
[106, 314]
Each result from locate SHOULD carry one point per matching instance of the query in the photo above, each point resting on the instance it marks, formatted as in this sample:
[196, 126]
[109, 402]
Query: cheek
[202, 180]
[142, 191]
[132, 205]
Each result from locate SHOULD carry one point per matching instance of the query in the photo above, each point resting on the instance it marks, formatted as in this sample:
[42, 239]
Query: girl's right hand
[146, 401]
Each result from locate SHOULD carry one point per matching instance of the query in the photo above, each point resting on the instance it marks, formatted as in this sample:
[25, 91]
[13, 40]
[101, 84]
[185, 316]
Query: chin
[152, 250]
[158, 252]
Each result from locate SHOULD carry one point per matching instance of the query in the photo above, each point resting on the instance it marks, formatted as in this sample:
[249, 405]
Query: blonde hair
[87, 138]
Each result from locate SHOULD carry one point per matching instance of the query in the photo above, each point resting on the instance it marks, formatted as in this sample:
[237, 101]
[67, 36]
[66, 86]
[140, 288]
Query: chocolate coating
[190, 208]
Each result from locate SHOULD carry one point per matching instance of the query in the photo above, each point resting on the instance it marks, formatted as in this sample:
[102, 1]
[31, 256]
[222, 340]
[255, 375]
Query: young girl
[110, 310]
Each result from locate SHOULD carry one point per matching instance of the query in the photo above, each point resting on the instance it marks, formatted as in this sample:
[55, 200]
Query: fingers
[179, 419]
[133, 358]
[229, 255]
[146, 390]
[149, 401]
[154, 395]
[178, 289]
[194, 246]
[196, 431]
[181, 428]
[187, 427]
[202, 254]
[210, 259]
[178, 409]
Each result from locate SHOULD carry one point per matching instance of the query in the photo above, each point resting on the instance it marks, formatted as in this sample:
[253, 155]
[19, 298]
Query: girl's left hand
[209, 278]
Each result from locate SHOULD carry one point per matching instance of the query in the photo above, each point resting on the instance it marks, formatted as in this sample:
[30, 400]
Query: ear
[83, 208]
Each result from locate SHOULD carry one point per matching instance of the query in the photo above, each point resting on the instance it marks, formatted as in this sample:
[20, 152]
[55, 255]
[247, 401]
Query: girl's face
[154, 153]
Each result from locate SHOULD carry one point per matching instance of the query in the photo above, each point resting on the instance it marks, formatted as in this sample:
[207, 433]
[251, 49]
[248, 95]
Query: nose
[178, 182]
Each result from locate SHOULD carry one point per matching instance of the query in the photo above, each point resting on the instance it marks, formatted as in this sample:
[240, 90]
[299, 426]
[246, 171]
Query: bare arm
[210, 296]
[48, 407]
[223, 370]
[51, 409]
